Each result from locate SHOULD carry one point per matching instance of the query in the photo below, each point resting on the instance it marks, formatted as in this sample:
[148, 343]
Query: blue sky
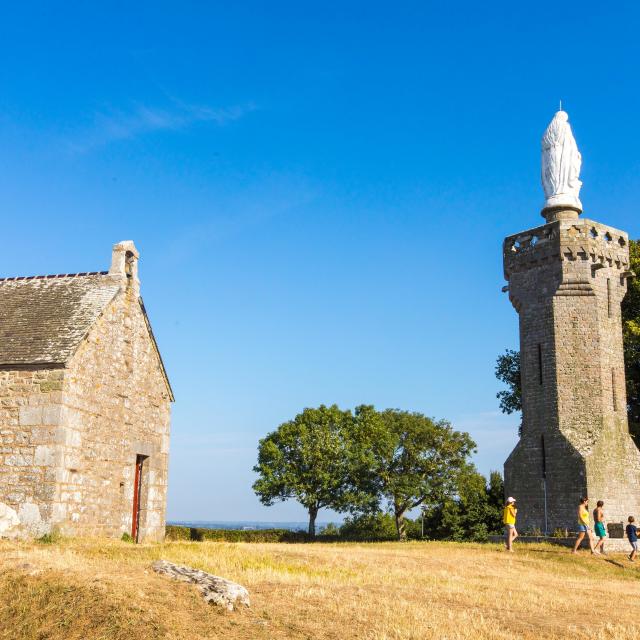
[319, 193]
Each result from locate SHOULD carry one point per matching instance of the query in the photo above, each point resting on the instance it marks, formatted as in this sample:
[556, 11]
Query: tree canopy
[408, 458]
[327, 457]
[308, 459]
[508, 372]
[472, 514]
[631, 341]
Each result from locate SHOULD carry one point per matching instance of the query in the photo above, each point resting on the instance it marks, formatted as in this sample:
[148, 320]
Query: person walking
[632, 535]
[599, 528]
[583, 525]
[509, 521]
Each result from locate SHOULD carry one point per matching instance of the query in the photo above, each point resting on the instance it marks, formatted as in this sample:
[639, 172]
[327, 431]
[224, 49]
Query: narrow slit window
[540, 363]
[613, 390]
[609, 297]
[544, 457]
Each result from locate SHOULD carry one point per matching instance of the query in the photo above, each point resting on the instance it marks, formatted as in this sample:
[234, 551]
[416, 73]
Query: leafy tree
[508, 371]
[377, 526]
[495, 499]
[631, 341]
[370, 526]
[469, 509]
[308, 459]
[407, 459]
[472, 514]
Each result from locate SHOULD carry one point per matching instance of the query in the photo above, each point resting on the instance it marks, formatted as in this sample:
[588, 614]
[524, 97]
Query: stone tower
[567, 279]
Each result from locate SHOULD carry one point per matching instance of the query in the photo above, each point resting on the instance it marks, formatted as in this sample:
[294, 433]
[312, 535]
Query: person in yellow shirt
[583, 526]
[509, 521]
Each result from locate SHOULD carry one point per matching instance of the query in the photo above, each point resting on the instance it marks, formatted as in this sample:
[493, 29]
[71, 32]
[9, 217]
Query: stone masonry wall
[566, 280]
[543, 461]
[30, 444]
[117, 405]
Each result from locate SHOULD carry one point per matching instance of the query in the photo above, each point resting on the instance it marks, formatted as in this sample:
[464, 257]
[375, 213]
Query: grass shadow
[615, 563]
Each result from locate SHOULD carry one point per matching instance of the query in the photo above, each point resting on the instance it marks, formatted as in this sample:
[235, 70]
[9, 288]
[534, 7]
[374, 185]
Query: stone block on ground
[215, 590]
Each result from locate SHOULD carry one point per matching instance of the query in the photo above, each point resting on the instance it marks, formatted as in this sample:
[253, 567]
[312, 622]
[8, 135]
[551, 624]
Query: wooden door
[137, 486]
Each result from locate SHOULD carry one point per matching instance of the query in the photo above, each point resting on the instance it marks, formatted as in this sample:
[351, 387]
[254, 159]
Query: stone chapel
[84, 405]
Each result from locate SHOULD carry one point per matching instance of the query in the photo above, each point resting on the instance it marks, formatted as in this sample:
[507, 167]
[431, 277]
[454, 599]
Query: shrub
[377, 526]
[472, 514]
[49, 538]
[175, 532]
[330, 530]
[370, 528]
[126, 538]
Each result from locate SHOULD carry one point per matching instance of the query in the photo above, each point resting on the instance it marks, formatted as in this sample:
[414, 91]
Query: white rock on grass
[214, 590]
[8, 519]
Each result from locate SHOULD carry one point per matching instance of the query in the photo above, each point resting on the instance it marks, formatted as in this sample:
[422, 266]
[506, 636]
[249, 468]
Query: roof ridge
[58, 275]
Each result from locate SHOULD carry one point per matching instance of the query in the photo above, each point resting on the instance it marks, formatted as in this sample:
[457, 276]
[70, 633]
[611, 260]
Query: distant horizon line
[189, 521]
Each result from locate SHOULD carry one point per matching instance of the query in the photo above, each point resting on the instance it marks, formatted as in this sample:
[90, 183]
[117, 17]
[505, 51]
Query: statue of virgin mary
[561, 163]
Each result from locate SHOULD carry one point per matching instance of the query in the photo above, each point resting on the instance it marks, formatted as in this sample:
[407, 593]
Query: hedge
[175, 532]
[198, 534]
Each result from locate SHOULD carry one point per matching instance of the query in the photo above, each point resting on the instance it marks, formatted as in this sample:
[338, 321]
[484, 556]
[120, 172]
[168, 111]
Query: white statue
[561, 162]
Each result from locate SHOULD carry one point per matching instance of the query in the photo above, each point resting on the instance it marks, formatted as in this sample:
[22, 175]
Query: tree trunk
[400, 525]
[313, 514]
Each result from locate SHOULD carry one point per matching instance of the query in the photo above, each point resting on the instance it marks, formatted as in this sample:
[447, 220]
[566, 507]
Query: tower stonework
[567, 279]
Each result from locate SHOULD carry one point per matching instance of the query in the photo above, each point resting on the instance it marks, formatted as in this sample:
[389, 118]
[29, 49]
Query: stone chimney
[124, 264]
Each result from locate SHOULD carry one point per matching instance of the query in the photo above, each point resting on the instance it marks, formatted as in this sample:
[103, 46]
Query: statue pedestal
[563, 212]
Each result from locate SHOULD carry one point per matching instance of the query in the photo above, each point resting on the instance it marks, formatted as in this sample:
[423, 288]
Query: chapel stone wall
[31, 442]
[118, 406]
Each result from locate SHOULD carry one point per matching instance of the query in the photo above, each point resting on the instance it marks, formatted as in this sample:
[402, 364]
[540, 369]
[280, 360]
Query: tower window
[613, 390]
[544, 457]
[539, 363]
[609, 297]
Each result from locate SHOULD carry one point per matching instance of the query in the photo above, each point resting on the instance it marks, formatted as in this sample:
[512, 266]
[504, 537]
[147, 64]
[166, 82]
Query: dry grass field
[90, 590]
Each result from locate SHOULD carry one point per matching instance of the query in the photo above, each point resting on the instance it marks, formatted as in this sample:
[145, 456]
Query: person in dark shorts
[632, 534]
[598, 528]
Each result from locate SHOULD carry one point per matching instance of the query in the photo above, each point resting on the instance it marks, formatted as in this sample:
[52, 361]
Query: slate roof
[43, 319]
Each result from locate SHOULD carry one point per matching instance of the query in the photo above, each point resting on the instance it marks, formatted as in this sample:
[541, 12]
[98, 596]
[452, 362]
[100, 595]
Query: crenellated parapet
[571, 252]
[576, 240]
